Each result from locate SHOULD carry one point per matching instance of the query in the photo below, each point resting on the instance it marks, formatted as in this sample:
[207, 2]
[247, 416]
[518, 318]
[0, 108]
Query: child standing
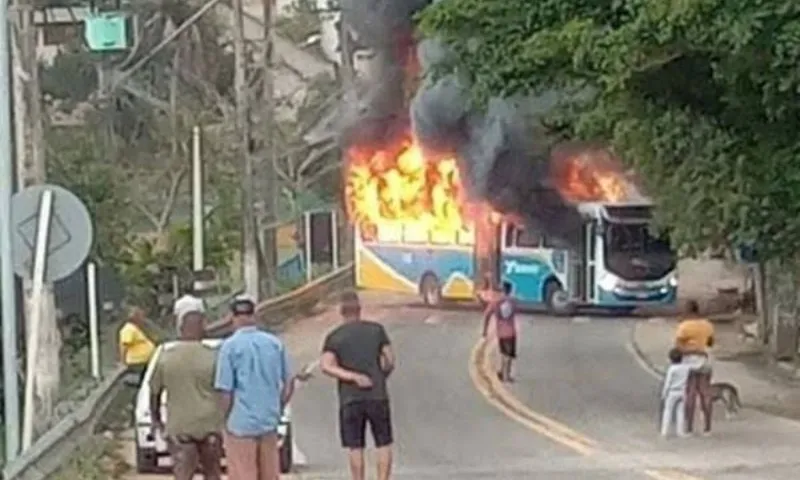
[673, 395]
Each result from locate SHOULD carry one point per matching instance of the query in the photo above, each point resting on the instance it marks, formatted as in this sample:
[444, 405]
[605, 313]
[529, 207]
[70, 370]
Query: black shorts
[508, 346]
[353, 420]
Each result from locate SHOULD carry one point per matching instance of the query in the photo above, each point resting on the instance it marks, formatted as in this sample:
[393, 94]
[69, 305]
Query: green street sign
[107, 32]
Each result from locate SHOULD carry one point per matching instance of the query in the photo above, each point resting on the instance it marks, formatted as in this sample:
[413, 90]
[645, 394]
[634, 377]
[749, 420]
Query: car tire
[146, 460]
[286, 452]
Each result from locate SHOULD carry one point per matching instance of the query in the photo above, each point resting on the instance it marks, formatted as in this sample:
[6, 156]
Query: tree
[77, 163]
[309, 159]
[702, 97]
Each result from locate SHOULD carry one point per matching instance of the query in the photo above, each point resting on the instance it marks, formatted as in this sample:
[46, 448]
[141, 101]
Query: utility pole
[346, 68]
[31, 170]
[7, 279]
[250, 258]
[271, 190]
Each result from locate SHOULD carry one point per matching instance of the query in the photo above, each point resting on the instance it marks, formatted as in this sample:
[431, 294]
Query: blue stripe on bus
[413, 262]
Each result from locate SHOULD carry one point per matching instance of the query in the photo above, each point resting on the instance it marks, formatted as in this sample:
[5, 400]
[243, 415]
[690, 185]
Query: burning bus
[416, 232]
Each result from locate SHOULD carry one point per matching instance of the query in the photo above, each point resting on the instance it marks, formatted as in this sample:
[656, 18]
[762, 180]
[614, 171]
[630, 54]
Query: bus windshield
[633, 252]
[635, 238]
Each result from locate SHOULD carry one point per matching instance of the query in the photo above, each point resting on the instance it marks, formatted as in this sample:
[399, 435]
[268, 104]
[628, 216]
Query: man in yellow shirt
[135, 348]
[693, 338]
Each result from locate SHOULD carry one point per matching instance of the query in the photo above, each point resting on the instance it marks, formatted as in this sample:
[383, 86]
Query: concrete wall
[701, 279]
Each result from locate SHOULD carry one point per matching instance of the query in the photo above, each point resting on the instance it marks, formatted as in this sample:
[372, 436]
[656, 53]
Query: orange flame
[400, 186]
[590, 175]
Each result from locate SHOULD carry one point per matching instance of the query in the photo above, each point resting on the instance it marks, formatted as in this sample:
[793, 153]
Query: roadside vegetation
[701, 98]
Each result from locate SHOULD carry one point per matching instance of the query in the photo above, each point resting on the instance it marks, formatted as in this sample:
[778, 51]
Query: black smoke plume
[501, 158]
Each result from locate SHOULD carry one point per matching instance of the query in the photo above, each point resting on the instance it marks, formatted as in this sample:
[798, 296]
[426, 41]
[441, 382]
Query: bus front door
[487, 255]
[589, 245]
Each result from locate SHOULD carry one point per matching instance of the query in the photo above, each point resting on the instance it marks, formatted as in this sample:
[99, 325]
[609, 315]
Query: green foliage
[71, 77]
[76, 162]
[150, 262]
[702, 97]
[147, 261]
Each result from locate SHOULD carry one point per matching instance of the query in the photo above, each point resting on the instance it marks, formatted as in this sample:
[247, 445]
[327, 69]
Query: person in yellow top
[135, 347]
[693, 338]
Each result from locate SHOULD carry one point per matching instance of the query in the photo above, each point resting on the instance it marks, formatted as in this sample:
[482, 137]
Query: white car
[152, 455]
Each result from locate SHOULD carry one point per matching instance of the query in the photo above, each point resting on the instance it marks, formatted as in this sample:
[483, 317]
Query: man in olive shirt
[185, 369]
[359, 355]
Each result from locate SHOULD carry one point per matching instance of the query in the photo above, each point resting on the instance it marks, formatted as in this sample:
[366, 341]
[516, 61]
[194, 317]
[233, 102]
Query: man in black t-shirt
[359, 355]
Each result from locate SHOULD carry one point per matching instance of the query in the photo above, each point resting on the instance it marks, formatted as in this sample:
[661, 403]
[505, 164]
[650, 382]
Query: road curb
[641, 357]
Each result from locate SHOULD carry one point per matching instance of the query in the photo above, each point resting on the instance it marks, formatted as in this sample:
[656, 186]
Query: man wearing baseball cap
[253, 377]
[185, 369]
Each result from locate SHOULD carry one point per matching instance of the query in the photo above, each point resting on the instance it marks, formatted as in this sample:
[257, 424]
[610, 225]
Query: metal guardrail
[275, 310]
[57, 444]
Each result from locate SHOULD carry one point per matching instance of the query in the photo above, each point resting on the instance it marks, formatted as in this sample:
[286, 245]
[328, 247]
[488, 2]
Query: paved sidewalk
[761, 385]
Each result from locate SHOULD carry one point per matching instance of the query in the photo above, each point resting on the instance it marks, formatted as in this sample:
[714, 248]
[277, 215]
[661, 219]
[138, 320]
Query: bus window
[510, 233]
[415, 233]
[443, 237]
[466, 236]
[390, 233]
[528, 239]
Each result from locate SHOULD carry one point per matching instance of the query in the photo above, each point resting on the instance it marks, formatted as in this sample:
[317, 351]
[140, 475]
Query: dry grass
[98, 459]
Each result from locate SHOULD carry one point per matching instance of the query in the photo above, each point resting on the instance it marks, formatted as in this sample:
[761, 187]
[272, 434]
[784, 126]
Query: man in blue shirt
[253, 377]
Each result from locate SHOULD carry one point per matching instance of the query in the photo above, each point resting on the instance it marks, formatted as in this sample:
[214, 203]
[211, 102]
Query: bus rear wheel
[430, 290]
[556, 299]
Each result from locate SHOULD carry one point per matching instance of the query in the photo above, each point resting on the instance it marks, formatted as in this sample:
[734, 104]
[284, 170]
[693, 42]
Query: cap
[243, 305]
[188, 304]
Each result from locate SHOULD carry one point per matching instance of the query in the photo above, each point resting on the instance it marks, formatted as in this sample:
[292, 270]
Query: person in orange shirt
[693, 338]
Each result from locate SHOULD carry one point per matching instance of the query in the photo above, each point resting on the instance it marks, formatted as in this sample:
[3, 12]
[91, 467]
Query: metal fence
[70, 372]
[311, 249]
[309, 246]
[57, 444]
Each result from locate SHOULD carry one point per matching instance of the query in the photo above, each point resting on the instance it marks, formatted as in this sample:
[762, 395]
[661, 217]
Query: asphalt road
[444, 427]
[573, 375]
[583, 373]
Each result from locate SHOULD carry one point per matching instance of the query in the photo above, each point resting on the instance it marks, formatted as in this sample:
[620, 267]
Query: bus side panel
[373, 273]
[401, 268]
[527, 272]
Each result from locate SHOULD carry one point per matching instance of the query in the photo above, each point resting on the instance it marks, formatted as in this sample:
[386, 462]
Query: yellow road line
[522, 409]
[487, 383]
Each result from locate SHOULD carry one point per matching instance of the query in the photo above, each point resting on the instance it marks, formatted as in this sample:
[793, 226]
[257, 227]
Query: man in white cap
[185, 369]
[254, 381]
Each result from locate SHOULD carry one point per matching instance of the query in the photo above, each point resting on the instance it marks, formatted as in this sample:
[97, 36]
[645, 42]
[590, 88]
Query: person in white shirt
[673, 395]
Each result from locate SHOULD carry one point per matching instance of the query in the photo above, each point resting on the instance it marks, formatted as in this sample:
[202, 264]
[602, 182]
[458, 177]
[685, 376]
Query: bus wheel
[556, 299]
[430, 290]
